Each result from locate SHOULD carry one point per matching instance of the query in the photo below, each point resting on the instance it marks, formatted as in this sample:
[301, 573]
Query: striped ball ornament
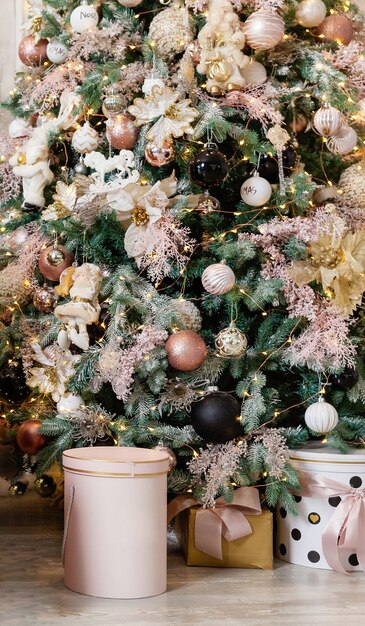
[327, 121]
[321, 417]
[218, 279]
[263, 29]
[343, 142]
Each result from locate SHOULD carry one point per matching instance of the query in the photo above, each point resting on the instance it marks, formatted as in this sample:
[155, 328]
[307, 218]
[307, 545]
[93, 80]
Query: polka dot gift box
[329, 530]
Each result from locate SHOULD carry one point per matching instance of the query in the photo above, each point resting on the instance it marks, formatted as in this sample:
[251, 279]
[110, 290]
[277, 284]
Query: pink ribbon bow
[346, 528]
[225, 520]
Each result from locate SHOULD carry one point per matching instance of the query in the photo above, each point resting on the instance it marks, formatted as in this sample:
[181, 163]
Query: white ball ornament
[84, 17]
[171, 30]
[85, 139]
[57, 52]
[263, 29]
[70, 403]
[218, 279]
[254, 73]
[343, 142]
[321, 417]
[327, 121]
[310, 13]
[256, 191]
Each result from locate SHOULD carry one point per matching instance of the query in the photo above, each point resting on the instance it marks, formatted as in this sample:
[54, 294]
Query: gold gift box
[252, 551]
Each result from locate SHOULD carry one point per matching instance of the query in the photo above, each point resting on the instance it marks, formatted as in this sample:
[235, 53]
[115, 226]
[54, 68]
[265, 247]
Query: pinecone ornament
[187, 314]
[352, 184]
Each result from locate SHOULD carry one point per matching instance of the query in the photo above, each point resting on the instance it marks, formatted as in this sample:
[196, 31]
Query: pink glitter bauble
[121, 131]
[186, 350]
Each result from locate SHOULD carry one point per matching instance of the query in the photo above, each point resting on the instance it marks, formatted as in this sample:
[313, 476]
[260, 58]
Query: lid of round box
[317, 457]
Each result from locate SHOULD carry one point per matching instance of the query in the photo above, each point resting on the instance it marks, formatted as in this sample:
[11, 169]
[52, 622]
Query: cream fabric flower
[174, 116]
[339, 266]
[57, 367]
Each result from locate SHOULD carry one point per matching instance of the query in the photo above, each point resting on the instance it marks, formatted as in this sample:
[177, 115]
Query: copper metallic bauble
[218, 279]
[310, 13]
[336, 28]
[298, 123]
[159, 156]
[343, 142]
[45, 486]
[327, 120]
[209, 167]
[216, 418]
[44, 298]
[28, 438]
[263, 29]
[32, 52]
[170, 454]
[53, 260]
[186, 350]
[121, 132]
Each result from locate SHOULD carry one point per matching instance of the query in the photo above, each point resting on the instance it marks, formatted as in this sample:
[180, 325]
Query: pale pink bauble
[121, 131]
[263, 29]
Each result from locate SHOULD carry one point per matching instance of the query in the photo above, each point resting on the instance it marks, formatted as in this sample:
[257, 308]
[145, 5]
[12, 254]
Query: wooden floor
[32, 591]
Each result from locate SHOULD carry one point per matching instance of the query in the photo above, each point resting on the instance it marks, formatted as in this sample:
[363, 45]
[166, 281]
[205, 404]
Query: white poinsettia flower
[57, 367]
[125, 202]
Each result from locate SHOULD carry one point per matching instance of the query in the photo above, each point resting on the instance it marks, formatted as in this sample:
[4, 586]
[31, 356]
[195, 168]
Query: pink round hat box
[115, 521]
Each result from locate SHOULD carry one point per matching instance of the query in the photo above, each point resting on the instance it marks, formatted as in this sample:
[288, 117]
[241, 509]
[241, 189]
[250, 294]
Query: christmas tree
[182, 236]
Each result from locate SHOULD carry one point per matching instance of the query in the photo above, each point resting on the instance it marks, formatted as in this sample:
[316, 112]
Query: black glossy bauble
[209, 167]
[45, 486]
[346, 380]
[216, 417]
[18, 488]
[269, 166]
[13, 388]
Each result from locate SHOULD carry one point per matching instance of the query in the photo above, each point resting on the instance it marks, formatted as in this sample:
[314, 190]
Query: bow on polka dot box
[329, 530]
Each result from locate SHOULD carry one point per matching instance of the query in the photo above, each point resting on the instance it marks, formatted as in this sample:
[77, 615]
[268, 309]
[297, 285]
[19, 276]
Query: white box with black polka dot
[329, 530]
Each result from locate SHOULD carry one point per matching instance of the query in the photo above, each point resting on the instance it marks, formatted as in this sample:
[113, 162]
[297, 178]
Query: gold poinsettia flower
[172, 118]
[338, 265]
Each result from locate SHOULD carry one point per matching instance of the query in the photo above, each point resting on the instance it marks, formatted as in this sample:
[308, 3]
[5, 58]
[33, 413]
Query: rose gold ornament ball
[121, 131]
[336, 28]
[31, 52]
[53, 260]
[28, 438]
[159, 156]
[186, 350]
